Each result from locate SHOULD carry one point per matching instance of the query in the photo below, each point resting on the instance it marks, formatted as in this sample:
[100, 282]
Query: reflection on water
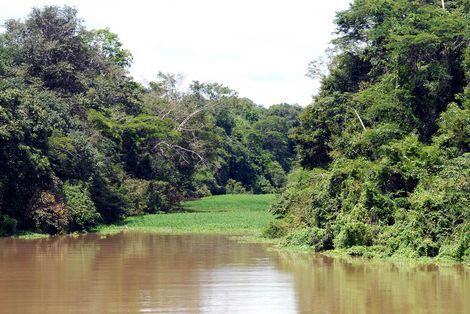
[138, 272]
[328, 285]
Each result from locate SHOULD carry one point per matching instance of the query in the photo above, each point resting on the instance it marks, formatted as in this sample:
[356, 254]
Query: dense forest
[384, 147]
[83, 143]
[377, 165]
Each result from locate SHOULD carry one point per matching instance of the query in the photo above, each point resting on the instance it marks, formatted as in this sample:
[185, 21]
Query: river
[149, 273]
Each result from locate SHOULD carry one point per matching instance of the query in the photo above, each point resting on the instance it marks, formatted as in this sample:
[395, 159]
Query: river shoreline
[241, 217]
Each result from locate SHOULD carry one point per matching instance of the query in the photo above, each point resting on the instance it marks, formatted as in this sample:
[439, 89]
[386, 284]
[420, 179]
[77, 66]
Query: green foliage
[108, 45]
[81, 141]
[82, 210]
[384, 146]
[459, 248]
[162, 196]
[234, 187]
[353, 234]
[322, 239]
[298, 237]
[49, 213]
[274, 230]
[454, 129]
[7, 226]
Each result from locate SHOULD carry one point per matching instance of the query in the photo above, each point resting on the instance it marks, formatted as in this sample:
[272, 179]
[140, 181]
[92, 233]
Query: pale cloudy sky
[260, 48]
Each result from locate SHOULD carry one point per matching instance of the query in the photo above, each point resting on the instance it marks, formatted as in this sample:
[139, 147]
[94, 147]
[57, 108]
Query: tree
[383, 135]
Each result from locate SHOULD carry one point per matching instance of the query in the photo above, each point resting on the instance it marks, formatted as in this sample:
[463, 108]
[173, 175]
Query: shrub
[204, 183]
[298, 237]
[275, 229]
[202, 191]
[353, 233]
[49, 213]
[263, 186]
[276, 174]
[459, 247]
[428, 248]
[462, 250]
[296, 199]
[368, 143]
[162, 196]
[109, 202]
[136, 194]
[357, 250]
[234, 187]
[322, 239]
[7, 226]
[82, 210]
[454, 129]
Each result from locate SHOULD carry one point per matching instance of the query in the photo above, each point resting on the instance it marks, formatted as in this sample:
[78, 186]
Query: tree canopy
[384, 147]
[82, 142]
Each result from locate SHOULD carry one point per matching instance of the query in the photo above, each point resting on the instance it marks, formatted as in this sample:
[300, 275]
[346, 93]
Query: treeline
[82, 143]
[384, 147]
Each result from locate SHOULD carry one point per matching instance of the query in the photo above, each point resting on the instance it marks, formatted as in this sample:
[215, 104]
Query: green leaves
[390, 185]
[81, 208]
[109, 46]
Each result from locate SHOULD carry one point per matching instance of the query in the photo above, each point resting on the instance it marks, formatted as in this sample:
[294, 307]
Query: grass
[29, 235]
[242, 214]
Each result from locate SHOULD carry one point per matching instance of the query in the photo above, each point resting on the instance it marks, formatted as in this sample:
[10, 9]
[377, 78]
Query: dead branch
[360, 120]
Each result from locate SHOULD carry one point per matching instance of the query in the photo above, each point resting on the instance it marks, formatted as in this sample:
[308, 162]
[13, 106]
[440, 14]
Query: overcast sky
[260, 48]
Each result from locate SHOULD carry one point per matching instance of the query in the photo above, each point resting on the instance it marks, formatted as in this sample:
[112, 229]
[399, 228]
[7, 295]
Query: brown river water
[150, 273]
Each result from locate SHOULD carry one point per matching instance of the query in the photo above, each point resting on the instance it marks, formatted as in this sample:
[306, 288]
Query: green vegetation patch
[244, 214]
[384, 150]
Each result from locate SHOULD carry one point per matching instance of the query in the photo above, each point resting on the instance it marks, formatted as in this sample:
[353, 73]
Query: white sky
[259, 48]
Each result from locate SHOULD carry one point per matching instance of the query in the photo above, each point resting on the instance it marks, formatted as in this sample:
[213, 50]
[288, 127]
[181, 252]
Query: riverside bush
[82, 210]
[353, 234]
[383, 150]
[7, 226]
[50, 214]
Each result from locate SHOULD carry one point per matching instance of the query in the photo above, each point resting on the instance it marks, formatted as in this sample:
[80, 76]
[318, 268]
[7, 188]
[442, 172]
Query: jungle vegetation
[377, 165]
[83, 143]
[384, 147]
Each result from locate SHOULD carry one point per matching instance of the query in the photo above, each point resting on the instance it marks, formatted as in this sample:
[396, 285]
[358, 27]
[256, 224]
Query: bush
[204, 183]
[234, 187]
[276, 174]
[462, 250]
[162, 196]
[353, 233]
[136, 194]
[7, 226]
[428, 248]
[322, 239]
[82, 210]
[49, 213]
[298, 237]
[274, 230]
[296, 199]
[106, 195]
[263, 186]
[459, 248]
[202, 191]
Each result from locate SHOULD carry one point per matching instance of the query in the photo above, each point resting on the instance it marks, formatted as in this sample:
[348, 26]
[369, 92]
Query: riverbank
[244, 216]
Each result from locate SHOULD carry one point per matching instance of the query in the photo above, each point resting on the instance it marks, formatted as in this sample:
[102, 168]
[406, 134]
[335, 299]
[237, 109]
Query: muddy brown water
[150, 273]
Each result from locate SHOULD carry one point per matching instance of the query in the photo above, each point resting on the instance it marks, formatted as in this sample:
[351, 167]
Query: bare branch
[360, 120]
[191, 115]
[190, 151]
[180, 148]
